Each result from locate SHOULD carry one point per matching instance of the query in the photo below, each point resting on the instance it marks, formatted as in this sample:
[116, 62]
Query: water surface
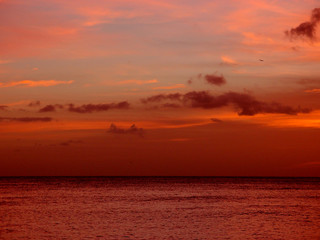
[159, 208]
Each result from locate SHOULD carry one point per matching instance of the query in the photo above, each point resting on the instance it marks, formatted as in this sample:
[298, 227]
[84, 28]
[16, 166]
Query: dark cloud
[68, 143]
[89, 108]
[131, 130]
[51, 108]
[162, 97]
[244, 103]
[3, 107]
[306, 29]
[215, 120]
[85, 108]
[48, 108]
[211, 79]
[26, 119]
[215, 79]
[34, 104]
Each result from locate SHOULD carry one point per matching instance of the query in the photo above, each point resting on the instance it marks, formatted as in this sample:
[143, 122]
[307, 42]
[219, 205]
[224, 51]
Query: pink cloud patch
[31, 83]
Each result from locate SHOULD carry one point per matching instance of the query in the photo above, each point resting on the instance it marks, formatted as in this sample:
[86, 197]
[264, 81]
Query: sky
[170, 88]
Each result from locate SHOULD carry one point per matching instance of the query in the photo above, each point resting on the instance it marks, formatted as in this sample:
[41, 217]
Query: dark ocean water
[160, 208]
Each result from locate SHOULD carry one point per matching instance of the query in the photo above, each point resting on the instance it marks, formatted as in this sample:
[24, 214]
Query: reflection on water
[160, 208]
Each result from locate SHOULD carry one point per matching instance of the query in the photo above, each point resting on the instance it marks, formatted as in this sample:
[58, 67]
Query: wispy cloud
[26, 119]
[169, 87]
[251, 38]
[85, 108]
[35, 103]
[5, 61]
[137, 82]
[51, 108]
[89, 108]
[32, 83]
[131, 130]
[307, 164]
[216, 120]
[315, 90]
[225, 60]
[70, 142]
[3, 107]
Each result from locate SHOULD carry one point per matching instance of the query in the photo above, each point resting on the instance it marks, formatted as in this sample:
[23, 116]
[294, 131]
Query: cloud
[31, 83]
[5, 61]
[85, 108]
[68, 143]
[228, 61]
[162, 97]
[131, 130]
[137, 82]
[3, 107]
[215, 80]
[306, 29]
[244, 103]
[50, 108]
[89, 108]
[34, 103]
[26, 119]
[216, 120]
[170, 87]
[251, 38]
[211, 79]
[315, 90]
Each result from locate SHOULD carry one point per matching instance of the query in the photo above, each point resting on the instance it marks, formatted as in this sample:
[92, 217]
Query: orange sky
[213, 88]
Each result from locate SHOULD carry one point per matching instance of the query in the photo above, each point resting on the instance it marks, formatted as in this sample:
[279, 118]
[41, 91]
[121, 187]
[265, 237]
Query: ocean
[159, 208]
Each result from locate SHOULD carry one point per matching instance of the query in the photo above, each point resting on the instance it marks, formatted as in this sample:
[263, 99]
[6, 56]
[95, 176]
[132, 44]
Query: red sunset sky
[215, 88]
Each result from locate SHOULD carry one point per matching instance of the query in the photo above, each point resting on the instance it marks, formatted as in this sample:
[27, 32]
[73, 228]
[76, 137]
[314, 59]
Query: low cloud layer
[27, 119]
[131, 130]
[85, 108]
[306, 29]
[89, 108]
[245, 104]
[51, 108]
